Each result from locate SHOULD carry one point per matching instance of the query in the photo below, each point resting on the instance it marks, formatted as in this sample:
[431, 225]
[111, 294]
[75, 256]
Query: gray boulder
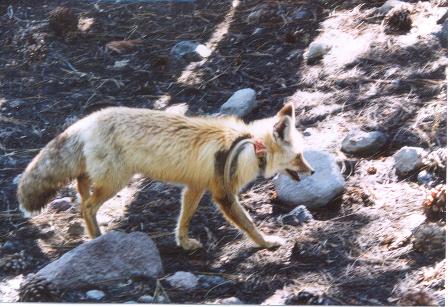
[241, 103]
[408, 160]
[359, 142]
[190, 51]
[115, 255]
[313, 191]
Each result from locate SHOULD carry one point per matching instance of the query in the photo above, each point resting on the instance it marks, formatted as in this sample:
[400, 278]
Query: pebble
[146, 299]
[425, 178]
[297, 216]
[96, 295]
[183, 280]
[315, 51]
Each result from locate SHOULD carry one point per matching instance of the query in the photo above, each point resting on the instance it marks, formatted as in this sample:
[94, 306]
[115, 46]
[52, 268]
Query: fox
[219, 154]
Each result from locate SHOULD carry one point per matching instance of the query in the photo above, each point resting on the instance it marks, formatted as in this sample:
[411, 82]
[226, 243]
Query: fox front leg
[236, 214]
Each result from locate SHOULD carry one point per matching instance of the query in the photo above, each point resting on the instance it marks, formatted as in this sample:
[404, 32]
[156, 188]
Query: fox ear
[287, 110]
[286, 121]
[282, 129]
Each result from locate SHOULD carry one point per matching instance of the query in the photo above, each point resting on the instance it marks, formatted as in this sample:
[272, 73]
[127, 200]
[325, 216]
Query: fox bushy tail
[58, 162]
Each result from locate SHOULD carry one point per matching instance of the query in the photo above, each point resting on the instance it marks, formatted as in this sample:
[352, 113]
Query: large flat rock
[114, 255]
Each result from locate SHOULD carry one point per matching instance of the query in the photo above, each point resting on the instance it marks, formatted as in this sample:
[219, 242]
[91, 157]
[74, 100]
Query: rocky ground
[368, 80]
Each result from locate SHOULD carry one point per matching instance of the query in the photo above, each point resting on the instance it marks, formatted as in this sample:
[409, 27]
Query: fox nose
[312, 172]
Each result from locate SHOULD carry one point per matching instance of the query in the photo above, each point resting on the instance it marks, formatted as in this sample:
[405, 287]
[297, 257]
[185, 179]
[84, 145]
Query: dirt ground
[357, 251]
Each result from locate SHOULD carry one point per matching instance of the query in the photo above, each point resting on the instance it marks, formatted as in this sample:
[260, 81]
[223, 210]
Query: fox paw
[273, 241]
[190, 244]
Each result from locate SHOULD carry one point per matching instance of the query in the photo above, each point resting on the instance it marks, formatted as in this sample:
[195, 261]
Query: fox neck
[251, 165]
[272, 147]
[263, 130]
[248, 167]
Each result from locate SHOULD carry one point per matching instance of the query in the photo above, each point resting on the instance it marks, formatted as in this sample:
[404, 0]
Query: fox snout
[301, 168]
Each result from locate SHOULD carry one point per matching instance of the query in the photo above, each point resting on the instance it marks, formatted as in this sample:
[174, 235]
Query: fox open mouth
[293, 174]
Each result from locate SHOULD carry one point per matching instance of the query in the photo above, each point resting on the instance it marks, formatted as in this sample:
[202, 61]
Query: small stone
[183, 280]
[95, 295]
[408, 160]
[425, 178]
[121, 64]
[241, 103]
[230, 301]
[146, 299]
[190, 51]
[315, 51]
[60, 204]
[16, 179]
[359, 142]
[297, 216]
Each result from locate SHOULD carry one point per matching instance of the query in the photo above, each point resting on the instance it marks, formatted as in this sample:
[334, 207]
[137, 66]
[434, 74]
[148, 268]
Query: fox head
[286, 154]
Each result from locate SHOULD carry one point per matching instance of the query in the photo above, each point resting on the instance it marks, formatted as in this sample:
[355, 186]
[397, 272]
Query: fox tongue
[293, 174]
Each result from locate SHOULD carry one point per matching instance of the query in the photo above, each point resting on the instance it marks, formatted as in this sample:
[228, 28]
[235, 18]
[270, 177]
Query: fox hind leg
[89, 208]
[190, 201]
[83, 187]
